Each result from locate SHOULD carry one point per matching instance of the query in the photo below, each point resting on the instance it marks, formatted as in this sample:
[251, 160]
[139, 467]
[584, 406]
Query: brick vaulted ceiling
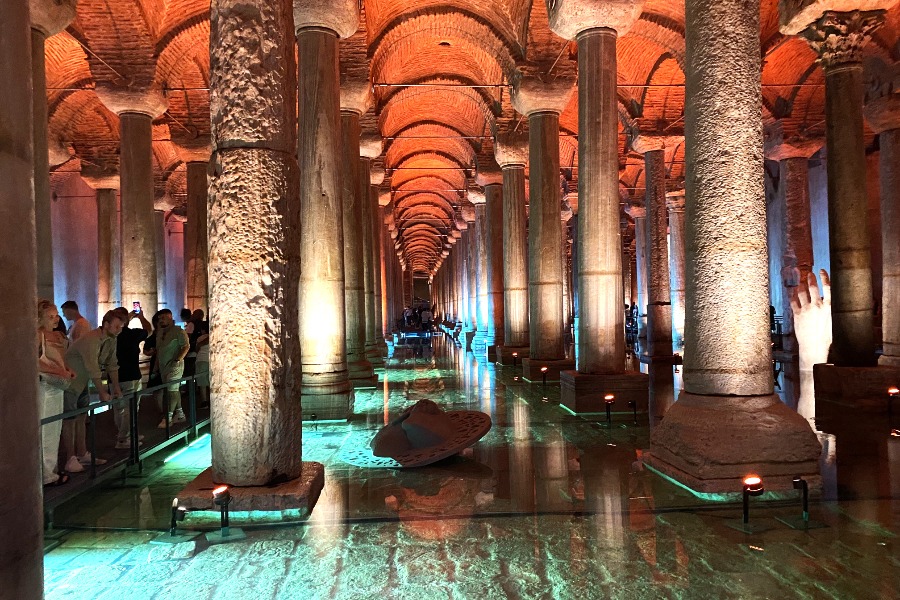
[441, 71]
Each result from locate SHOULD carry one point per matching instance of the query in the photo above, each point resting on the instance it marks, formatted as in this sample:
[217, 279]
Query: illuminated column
[542, 103]
[195, 237]
[136, 112]
[511, 152]
[253, 260]
[326, 387]
[491, 178]
[675, 204]
[470, 243]
[639, 214]
[376, 326]
[382, 268]
[838, 38]
[159, 239]
[47, 18]
[21, 528]
[476, 196]
[564, 215]
[108, 292]
[355, 100]
[727, 422]
[883, 116]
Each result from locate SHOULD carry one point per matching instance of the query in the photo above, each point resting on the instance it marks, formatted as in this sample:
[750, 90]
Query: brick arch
[121, 35]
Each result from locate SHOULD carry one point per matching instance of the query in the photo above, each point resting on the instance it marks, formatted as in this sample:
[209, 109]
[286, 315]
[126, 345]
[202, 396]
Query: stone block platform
[863, 387]
[505, 355]
[585, 393]
[298, 494]
[531, 369]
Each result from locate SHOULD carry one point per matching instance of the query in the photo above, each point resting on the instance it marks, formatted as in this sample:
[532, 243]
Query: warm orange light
[515, 354]
[893, 391]
[543, 369]
[752, 480]
[219, 490]
[609, 397]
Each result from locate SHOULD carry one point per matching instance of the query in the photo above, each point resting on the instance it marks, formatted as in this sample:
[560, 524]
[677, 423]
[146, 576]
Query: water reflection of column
[551, 469]
[326, 522]
[893, 459]
[521, 468]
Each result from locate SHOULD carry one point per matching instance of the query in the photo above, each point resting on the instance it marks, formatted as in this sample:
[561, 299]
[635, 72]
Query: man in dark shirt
[128, 351]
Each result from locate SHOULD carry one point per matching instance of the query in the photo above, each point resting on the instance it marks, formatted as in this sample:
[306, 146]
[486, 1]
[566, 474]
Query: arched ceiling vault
[440, 70]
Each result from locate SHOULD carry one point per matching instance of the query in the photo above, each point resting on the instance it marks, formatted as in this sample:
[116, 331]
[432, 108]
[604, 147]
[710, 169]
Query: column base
[326, 400]
[492, 351]
[479, 343]
[710, 443]
[374, 356]
[585, 392]
[300, 494]
[361, 373]
[466, 338]
[531, 369]
[666, 359]
[866, 387]
[505, 355]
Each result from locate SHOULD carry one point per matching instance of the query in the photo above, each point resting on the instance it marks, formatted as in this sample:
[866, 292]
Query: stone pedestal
[864, 387]
[505, 355]
[531, 368]
[301, 493]
[585, 393]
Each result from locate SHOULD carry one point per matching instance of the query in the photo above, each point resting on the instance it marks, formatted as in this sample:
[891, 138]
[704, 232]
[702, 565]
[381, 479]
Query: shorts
[74, 400]
[174, 371]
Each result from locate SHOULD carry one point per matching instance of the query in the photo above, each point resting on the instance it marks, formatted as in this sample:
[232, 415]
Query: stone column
[542, 103]
[565, 214]
[838, 38]
[492, 179]
[511, 153]
[470, 272]
[381, 286]
[355, 101]
[21, 554]
[675, 204]
[326, 387]
[883, 116]
[108, 292]
[639, 214]
[47, 18]
[159, 250]
[195, 238]
[136, 110]
[253, 260]
[376, 331]
[727, 422]
[479, 242]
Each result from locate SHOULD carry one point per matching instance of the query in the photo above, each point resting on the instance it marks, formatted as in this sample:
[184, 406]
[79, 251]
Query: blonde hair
[42, 306]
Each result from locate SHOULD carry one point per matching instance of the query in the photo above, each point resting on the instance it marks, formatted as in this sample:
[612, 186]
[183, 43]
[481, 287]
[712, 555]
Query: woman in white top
[53, 376]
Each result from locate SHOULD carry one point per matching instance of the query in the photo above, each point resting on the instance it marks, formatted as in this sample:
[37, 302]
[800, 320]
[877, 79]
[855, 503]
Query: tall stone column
[492, 179]
[47, 18]
[675, 204]
[21, 554]
[511, 153]
[479, 242]
[883, 116]
[384, 325]
[639, 214]
[374, 333]
[196, 245]
[326, 387]
[355, 100]
[727, 422]
[470, 243]
[838, 38]
[565, 214]
[108, 292]
[136, 110]
[253, 260]
[159, 249]
[542, 103]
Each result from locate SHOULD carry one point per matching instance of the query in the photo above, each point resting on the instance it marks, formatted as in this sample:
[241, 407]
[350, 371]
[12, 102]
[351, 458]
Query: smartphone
[136, 306]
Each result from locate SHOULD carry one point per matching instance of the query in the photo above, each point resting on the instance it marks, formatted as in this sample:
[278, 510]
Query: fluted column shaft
[515, 258]
[323, 326]
[354, 248]
[659, 308]
[108, 288]
[599, 270]
[544, 238]
[21, 529]
[493, 194]
[196, 246]
[139, 227]
[676, 267]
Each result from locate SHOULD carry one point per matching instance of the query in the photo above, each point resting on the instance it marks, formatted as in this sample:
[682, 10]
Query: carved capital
[636, 211]
[531, 95]
[839, 37]
[882, 108]
[475, 195]
[511, 149]
[675, 201]
[568, 18]
[488, 171]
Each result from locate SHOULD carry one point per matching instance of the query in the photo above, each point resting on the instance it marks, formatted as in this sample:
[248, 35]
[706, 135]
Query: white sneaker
[86, 460]
[73, 466]
[179, 417]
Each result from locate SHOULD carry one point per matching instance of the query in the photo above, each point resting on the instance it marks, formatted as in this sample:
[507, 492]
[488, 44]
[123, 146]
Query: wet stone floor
[547, 505]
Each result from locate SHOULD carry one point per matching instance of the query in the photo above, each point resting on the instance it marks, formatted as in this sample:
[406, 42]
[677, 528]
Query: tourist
[80, 325]
[54, 376]
[128, 348]
[172, 346]
[89, 357]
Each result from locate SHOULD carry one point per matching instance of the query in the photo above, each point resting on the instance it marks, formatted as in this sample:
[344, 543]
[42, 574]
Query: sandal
[61, 480]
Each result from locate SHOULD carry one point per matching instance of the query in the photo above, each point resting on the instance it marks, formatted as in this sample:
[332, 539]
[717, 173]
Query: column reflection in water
[604, 495]
[551, 469]
[893, 456]
[487, 379]
[327, 529]
[521, 467]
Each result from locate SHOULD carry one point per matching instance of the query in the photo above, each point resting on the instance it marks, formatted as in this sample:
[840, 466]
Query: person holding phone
[128, 354]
